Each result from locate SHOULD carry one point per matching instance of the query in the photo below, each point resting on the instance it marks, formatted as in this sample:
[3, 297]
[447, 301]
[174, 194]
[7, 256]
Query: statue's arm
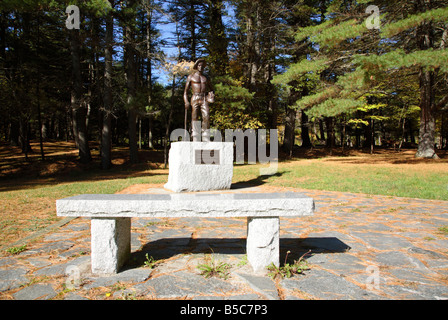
[187, 88]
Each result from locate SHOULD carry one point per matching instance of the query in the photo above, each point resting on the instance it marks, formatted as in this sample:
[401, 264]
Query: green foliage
[333, 107]
[444, 230]
[16, 250]
[430, 59]
[310, 31]
[288, 270]
[349, 61]
[230, 109]
[339, 32]
[412, 21]
[150, 262]
[295, 71]
[212, 268]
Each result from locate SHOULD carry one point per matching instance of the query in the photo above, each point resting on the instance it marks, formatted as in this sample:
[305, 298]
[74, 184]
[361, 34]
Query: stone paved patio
[360, 247]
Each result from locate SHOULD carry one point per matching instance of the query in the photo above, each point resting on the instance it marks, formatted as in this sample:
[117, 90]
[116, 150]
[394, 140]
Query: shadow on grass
[258, 181]
[66, 168]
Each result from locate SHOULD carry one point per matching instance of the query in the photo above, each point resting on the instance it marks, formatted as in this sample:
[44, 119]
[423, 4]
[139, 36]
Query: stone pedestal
[110, 244]
[200, 166]
[263, 242]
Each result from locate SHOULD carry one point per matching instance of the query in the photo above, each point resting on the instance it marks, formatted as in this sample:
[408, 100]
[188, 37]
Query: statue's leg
[205, 111]
[195, 130]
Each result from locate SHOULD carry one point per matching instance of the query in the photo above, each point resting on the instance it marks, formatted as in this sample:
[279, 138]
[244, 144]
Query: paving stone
[371, 227]
[408, 249]
[4, 262]
[60, 269]
[77, 227]
[418, 291]
[131, 275]
[326, 241]
[381, 241]
[135, 242]
[49, 247]
[408, 275]
[208, 298]
[325, 285]
[397, 258]
[249, 296]
[12, 278]
[342, 263]
[36, 292]
[74, 296]
[428, 253]
[58, 236]
[171, 234]
[263, 285]
[38, 262]
[183, 284]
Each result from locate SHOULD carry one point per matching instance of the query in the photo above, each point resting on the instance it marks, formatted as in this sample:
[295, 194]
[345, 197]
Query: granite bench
[111, 219]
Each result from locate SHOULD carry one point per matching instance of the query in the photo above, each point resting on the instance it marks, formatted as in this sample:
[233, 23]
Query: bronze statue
[203, 94]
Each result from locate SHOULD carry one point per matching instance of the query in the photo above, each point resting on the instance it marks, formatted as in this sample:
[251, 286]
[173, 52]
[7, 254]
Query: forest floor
[28, 189]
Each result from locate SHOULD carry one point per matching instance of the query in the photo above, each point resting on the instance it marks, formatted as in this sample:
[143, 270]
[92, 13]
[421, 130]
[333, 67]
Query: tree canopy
[316, 70]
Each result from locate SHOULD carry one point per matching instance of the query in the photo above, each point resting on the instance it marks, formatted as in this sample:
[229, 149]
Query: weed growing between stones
[213, 268]
[150, 262]
[16, 250]
[288, 270]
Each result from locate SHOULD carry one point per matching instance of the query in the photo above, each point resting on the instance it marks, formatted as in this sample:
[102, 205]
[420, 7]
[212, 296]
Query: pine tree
[106, 130]
[352, 60]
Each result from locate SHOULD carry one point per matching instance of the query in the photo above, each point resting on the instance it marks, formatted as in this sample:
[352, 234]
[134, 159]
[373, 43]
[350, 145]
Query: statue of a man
[202, 95]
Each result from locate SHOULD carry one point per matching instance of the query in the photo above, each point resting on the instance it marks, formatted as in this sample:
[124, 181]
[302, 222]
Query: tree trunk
[427, 98]
[306, 142]
[14, 132]
[150, 127]
[217, 44]
[132, 127]
[330, 134]
[24, 137]
[193, 31]
[39, 115]
[106, 132]
[427, 117]
[78, 109]
[131, 72]
[168, 125]
[343, 133]
[149, 49]
[321, 130]
[252, 46]
[288, 141]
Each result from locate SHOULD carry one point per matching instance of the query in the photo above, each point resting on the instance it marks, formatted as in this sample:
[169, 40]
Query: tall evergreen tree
[352, 60]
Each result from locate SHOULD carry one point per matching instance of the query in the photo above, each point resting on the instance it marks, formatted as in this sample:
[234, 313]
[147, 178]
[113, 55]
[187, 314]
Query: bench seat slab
[111, 219]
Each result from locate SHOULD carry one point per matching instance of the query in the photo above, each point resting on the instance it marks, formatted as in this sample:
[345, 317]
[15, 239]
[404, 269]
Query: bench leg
[111, 244]
[263, 242]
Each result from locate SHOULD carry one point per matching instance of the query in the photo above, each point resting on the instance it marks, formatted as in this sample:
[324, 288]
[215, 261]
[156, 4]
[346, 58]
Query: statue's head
[200, 65]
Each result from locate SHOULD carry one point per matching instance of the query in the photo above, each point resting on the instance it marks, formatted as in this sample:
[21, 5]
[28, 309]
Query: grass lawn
[28, 190]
